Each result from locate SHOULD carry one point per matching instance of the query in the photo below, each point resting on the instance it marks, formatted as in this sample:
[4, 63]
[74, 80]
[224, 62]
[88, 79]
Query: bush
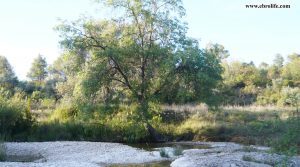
[53, 131]
[15, 118]
[64, 114]
[289, 141]
[48, 103]
[125, 123]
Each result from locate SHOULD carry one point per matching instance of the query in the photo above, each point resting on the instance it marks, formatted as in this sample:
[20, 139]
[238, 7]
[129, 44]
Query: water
[157, 146]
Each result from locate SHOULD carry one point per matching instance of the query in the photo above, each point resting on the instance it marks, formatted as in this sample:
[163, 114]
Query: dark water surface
[155, 146]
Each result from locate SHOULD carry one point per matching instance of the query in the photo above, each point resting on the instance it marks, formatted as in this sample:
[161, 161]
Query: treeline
[274, 84]
[241, 84]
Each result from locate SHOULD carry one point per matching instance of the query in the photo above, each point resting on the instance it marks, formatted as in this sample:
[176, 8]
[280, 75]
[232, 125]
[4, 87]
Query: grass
[250, 125]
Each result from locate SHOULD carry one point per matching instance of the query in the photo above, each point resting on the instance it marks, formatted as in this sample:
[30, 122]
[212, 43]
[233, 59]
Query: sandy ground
[90, 154]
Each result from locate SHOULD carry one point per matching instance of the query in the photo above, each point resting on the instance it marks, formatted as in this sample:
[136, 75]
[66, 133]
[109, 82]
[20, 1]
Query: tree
[291, 96]
[142, 52]
[278, 61]
[241, 81]
[8, 80]
[38, 72]
[291, 70]
[218, 50]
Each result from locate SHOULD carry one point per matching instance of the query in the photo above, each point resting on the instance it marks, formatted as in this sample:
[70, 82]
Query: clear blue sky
[26, 28]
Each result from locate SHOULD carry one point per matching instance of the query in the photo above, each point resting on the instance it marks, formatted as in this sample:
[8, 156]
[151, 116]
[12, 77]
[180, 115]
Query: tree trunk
[155, 136]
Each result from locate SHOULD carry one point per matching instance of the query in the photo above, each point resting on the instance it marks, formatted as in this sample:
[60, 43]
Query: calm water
[155, 146]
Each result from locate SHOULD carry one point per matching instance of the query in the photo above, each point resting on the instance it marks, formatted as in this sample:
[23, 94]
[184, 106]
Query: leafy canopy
[38, 70]
[142, 54]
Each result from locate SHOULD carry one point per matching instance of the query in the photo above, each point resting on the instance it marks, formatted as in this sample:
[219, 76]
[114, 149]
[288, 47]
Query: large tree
[142, 52]
[38, 70]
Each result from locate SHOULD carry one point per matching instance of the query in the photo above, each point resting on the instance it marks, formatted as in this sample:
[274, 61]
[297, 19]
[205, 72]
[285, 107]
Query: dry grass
[191, 108]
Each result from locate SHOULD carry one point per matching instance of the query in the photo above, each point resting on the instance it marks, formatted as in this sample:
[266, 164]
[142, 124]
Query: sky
[26, 28]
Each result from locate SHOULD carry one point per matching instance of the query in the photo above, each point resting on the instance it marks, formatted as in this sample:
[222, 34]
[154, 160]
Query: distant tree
[241, 81]
[263, 72]
[292, 97]
[218, 50]
[264, 66]
[38, 70]
[69, 64]
[291, 70]
[293, 56]
[7, 76]
[278, 61]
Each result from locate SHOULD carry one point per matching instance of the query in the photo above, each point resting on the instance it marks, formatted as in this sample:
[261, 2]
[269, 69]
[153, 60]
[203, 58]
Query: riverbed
[178, 154]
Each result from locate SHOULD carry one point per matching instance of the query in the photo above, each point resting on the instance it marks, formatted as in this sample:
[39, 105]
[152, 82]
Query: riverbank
[90, 154]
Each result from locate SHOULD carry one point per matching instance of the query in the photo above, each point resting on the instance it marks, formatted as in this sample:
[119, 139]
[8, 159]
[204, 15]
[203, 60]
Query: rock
[232, 155]
[90, 154]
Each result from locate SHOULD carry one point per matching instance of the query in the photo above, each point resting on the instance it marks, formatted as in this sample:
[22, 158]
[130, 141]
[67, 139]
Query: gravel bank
[78, 154]
[97, 154]
[233, 155]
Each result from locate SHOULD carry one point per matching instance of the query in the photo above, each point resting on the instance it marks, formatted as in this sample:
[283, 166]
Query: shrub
[64, 113]
[48, 103]
[15, 118]
[125, 124]
[289, 141]
[53, 131]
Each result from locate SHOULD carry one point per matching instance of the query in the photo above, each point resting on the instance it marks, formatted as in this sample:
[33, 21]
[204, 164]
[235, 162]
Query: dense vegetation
[118, 77]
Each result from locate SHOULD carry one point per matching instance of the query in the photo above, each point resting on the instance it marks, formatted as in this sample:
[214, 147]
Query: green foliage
[289, 141]
[258, 126]
[37, 96]
[53, 131]
[14, 117]
[291, 70]
[64, 113]
[291, 96]
[240, 83]
[8, 80]
[217, 50]
[278, 61]
[48, 104]
[38, 69]
[197, 73]
[138, 57]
